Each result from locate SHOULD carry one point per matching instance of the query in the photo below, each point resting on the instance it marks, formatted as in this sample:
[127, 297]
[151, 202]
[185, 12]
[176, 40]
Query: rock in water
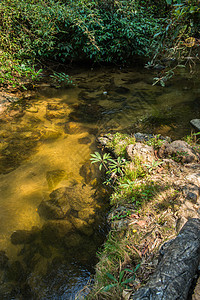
[196, 123]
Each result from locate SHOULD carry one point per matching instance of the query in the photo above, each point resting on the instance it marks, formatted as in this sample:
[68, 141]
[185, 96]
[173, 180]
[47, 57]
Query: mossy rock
[82, 226]
[49, 135]
[78, 196]
[89, 172]
[53, 209]
[86, 214]
[74, 128]
[54, 177]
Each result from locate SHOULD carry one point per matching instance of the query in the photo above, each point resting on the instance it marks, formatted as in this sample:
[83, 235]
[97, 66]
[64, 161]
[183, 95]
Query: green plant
[16, 72]
[156, 142]
[119, 142]
[121, 283]
[102, 160]
[62, 79]
[154, 165]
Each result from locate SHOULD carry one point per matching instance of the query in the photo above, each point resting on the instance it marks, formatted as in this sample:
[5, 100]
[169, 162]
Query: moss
[119, 143]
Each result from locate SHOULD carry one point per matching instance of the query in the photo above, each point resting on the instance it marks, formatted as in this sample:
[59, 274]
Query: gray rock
[192, 192]
[177, 267]
[196, 123]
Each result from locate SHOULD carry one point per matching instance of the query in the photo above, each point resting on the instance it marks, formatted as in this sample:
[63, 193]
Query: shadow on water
[53, 204]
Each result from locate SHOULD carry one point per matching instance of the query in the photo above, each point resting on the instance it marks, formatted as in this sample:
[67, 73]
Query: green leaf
[108, 287]
[110, 276]
[121, 275]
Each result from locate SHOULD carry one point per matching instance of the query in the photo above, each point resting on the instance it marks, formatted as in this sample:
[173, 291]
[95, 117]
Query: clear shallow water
[45, 144]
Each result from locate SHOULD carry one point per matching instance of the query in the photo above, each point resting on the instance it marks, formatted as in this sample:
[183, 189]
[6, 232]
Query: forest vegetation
[34, 33]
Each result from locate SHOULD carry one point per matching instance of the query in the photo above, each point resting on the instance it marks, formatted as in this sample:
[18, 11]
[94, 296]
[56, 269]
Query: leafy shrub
[73, 30]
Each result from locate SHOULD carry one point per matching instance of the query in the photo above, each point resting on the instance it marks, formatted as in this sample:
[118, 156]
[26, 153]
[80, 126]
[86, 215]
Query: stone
[53, 232]
[53, 209]
[86, 214]
[82, 226]
[24, 236]
[196, 294]
[54, 177]
[143, 152]
[89, 172]
[192, 192]
[85, 96]
[74, 128]
[78, 196]
[15, 272]
[177, 267]
[49, 135]
[85, 140]
[194, 178]
[52, 114]
[180, 223]
[196, 123]
[3, 260]
[179, 151]
[104, 140]
[54, 106]
[122, 90]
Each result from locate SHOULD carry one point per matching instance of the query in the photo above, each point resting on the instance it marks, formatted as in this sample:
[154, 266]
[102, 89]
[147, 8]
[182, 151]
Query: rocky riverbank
[156, 191]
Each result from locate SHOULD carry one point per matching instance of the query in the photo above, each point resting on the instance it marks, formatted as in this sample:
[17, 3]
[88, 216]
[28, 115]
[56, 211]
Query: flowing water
[52, 202]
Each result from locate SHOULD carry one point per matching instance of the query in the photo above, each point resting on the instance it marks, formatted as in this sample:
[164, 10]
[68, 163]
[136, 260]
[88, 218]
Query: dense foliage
[101, 31]
[114, 31]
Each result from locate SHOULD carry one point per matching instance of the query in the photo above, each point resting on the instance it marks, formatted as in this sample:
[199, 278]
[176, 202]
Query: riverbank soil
[155, 193]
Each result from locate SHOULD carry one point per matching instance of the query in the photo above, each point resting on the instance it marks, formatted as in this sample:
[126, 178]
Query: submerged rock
[3, 259]
[24, 236]
[78, 196]
[85, 140]
[74, 240]
[53, 209]
[89, 172]
[82, 226]
[65, 199]
[53, 232]
[54, 177]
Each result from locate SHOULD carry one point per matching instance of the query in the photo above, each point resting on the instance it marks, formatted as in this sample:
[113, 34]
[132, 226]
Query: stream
[53, 204]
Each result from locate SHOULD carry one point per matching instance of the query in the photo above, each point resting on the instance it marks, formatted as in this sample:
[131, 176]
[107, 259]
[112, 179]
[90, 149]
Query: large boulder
[178, 150]
[177, 267]
[65, 199]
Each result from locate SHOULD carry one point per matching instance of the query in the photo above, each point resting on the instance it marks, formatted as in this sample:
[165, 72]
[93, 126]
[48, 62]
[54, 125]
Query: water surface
[45, 145]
